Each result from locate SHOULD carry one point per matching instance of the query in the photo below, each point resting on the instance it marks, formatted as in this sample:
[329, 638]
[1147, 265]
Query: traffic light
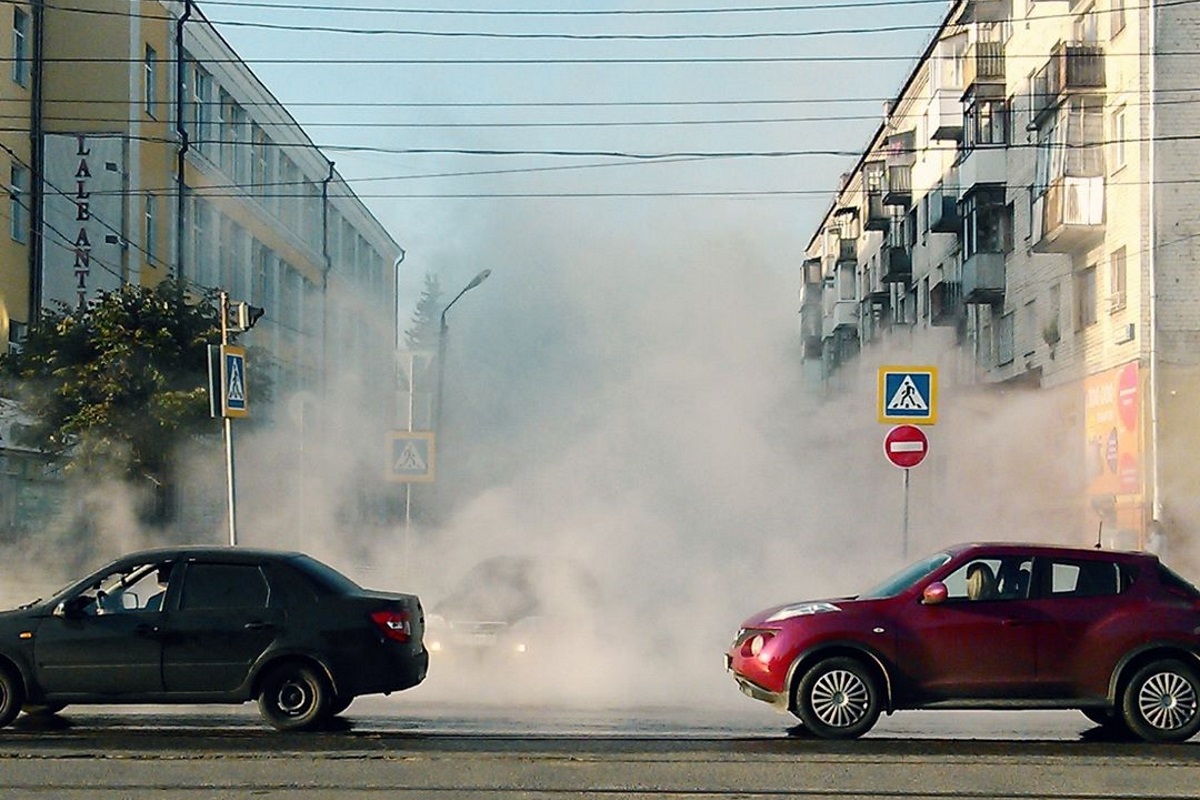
[243, 316]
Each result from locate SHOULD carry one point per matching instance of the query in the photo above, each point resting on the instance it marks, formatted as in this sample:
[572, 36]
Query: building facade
[139, 146]
[1025, 218]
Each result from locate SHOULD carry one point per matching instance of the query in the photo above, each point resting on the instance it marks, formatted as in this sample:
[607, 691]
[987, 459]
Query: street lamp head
[478, 279]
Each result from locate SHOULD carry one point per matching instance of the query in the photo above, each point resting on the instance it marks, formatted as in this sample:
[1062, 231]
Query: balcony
[842, 315]
[848, 250]
[895, 264]
[983, 166]
[1069, 217]
[943, 211]
[813, 273]
[984, 64]
[875, 214]
[898, 187]
[810, 331]
[945, 303]
[983, 278]
[1072, 69]
[945, 119]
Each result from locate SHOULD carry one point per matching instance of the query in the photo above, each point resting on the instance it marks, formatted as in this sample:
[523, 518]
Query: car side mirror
[71, 608]
[934, 594]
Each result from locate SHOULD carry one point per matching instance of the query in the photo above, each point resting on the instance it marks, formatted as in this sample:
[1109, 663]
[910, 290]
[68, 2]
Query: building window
[151, 233]
[18, 204]
[1004, 339]
[151, 87]
[1118, 138]
[985, 122]
[1116, 279]
[20, 57]
[1117, 15]
[1085, 298]
[1087, 27]
[987, 223]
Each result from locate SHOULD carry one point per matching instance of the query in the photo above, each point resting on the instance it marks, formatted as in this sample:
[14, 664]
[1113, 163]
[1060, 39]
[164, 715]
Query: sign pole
[229, 482]
[904, 532]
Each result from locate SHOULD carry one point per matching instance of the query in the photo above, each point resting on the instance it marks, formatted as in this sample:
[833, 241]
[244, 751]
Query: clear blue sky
[425, 213]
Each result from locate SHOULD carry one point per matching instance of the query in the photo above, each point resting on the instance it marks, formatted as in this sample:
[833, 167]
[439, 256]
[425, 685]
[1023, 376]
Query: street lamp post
[442, 331]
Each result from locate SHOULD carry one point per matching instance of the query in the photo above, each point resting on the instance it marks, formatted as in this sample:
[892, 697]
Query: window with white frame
[151, 210]
[1117, 278]
[1085, 297]
[20, 47]
[1116, 16]
[1004, 339]
[18, 204]
[151, 81]
[1118, 139]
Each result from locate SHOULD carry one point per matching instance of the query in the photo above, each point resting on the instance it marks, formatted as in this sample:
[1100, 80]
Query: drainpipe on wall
[36, 160]
[184, 142]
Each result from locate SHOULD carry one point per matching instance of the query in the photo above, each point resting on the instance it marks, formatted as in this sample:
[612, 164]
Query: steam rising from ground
[625, 393]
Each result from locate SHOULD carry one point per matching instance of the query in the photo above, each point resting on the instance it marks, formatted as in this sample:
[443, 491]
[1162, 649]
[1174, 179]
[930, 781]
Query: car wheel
[838, 699]
[1161, 702]
[12, 695]
[42, 709]
[340, 704]
[294, 697]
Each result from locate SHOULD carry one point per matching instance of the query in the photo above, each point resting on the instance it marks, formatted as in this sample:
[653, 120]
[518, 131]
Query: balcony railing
[984, 64]
[842, 315]
[875, 214]
[898, 191]
[943, 212]
[1070, 216]
[1072, 68]
[983, 278]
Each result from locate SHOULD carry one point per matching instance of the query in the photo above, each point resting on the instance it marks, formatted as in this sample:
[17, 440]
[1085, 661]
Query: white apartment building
[1026, 219]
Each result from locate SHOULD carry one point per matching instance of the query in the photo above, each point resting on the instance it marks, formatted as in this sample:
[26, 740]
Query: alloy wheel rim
[1167, 701]
[293, 698]
[840, 698]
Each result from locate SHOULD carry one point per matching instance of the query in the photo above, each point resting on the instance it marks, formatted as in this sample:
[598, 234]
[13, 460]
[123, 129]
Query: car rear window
[324, 577]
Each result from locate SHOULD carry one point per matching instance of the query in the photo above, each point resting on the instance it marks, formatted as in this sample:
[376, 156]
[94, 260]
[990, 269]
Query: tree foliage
[117, 385]
[422, 334]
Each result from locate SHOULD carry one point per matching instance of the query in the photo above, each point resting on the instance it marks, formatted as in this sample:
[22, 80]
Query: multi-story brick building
[1026, 218]
[138, 145]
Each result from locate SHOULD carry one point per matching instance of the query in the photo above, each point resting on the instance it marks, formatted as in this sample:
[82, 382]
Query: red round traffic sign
[905, 446]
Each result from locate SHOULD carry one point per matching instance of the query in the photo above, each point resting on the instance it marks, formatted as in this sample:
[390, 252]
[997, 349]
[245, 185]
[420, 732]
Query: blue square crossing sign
[411, 456]
[908, 394]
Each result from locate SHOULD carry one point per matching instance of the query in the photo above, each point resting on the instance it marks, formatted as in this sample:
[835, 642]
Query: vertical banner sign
[84, 217]
[234, 402]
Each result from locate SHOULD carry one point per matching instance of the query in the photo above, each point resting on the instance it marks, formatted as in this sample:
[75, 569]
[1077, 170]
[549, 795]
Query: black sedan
[212, 625]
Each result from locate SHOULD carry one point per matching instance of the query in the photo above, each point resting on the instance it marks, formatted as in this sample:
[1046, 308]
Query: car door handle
[258, 625]
[148, 631]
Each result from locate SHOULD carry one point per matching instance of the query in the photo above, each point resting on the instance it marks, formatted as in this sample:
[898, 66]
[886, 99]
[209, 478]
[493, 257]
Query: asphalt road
[397, 749]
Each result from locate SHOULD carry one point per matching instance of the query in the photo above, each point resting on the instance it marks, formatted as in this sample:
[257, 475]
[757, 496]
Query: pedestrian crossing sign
[908, 394]
[234, 401]
[411, 456]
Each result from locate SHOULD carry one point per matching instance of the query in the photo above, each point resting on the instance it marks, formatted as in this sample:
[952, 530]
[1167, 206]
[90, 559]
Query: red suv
[1113, 634]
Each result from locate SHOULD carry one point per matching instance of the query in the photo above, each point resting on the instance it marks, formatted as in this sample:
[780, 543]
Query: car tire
[294, 697]
[838, 699]
[340, 704]
[12, 696]
[1161, 702]
[42, 709]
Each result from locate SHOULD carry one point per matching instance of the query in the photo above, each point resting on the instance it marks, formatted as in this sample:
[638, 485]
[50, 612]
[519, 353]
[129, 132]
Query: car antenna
[1100, 533]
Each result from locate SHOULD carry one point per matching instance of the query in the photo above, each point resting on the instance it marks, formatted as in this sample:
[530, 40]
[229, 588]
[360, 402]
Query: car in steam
[513, 607]
[212, 625]
[1115, 635]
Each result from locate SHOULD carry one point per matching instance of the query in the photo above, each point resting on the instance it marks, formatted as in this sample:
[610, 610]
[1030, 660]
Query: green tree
[422, 334]
[115, 387]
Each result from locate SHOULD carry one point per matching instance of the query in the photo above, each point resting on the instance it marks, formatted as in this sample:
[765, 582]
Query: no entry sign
[905, 446]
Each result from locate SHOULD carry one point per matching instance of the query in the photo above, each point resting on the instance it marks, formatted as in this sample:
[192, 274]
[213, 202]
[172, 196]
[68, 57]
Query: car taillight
[395, 625]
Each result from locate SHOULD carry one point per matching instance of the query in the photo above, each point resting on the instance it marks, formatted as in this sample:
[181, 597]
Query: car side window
[991, 578]
[1086, 579]
[221, 586]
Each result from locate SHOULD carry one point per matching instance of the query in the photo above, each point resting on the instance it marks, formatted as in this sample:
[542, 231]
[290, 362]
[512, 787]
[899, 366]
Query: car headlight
[801, 610]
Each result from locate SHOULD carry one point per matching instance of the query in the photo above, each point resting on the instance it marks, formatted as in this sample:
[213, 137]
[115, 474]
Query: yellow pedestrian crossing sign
[908, 394]
[411, 456]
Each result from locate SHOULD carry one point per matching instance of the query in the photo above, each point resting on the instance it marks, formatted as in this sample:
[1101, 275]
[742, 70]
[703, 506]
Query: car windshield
[905, 577]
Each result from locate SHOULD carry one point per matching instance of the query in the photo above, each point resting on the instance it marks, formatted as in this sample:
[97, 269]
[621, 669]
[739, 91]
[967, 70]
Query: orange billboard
[1112, 423]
